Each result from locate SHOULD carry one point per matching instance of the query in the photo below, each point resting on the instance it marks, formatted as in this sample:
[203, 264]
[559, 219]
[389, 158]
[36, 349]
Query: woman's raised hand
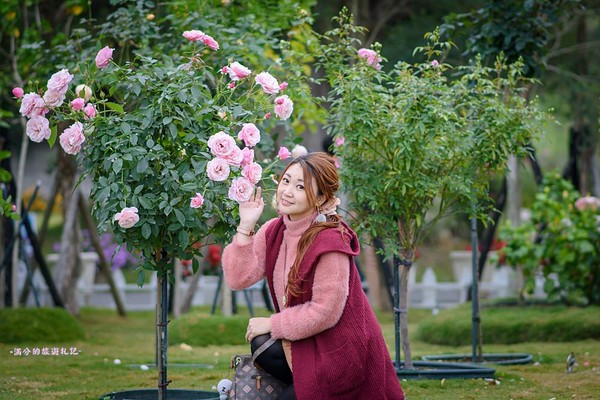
[251, 210]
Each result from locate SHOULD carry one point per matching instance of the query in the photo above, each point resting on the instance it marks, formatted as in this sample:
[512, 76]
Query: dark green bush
[41, 325]
[205, 330]
[507, 325]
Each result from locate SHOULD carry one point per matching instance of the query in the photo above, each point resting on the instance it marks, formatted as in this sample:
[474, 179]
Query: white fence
[134, 298]
[427, 293]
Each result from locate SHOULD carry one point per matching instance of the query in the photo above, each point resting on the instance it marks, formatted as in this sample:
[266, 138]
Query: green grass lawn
[131, 339]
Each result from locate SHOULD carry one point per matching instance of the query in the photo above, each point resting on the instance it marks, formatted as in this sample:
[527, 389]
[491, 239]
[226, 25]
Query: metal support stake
[397, 311]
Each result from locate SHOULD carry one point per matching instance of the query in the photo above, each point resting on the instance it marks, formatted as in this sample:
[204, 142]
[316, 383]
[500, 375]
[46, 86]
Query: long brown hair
[320, 167]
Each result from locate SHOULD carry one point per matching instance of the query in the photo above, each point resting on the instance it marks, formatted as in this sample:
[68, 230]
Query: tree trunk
[403, 312]
[186, 302]
[586, 159]
[161, 325]
[513, 206]
[373, 275]
[103, 263]
[67, 269]
[19, 196]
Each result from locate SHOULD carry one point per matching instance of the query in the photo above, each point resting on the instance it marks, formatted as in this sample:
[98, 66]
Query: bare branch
[385, 12]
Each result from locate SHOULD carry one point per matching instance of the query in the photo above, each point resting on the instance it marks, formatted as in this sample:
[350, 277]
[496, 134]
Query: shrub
[40, 325]
[561, 242]
[508, 325]
[204, 330]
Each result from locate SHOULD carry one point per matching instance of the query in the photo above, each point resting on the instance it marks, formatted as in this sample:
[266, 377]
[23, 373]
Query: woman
[330, 345]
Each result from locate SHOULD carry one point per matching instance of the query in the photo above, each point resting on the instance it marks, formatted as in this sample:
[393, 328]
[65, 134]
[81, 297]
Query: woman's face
[291, 194]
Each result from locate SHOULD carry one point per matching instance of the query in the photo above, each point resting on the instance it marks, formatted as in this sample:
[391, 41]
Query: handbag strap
[261, 349]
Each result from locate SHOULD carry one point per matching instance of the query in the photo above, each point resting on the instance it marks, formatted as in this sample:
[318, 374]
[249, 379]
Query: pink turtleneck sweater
[244, 265]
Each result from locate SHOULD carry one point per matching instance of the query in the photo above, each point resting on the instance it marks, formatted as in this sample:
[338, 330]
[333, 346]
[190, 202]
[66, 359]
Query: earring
[320, 217]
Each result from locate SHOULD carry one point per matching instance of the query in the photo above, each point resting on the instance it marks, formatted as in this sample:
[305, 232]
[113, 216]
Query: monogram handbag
[250, 382]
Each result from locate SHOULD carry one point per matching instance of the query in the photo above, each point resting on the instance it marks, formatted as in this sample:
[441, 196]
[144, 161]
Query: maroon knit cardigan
[350, 360]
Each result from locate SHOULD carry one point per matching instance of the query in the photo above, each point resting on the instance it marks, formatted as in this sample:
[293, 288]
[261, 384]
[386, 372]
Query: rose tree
[161, 141]
[169, 144]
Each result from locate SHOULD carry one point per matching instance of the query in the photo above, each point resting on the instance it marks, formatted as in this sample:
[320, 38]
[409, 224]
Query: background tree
[419, 144]
[552, 37]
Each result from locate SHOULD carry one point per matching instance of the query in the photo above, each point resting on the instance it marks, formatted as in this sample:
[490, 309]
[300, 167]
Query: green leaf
[142, 166]
[117, 165]
[5, 176]
[114, 106]
[146, 230]
[52, 137]
[180, 216]
[173, 130]
[195, 265]
[145, 203]
[141, 277]
[184, 239]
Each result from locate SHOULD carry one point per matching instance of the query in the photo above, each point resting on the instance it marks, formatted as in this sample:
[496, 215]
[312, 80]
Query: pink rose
[283, 153]
[587, 202]
[237, 71]
[38, 128]
[53, 98]
[435, 64]
[77, 104]
[336, 162]
[268, 83]
[72, 138]
[224, 70]
[283, 107]
[248, 156]
[339, 141]
[299, 151]
[250, 135]
[18, 92]
[32, 104]
[241, 189]
[193, 36]
[197, 201]
[128, 217]
[217, 169]
[235, 158]
[283, 85]
[210, 42]
[231, 85]
[221, 144]
[90, 111]
[252, 172]
[59, 82]
[103, 57]
[267, 115]
[371, 56]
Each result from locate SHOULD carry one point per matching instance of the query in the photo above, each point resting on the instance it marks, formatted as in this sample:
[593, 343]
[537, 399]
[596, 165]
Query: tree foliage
[422, 140]
[519, 29]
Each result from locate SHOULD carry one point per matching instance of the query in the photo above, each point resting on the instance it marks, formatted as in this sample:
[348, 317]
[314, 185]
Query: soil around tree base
[490, 358]
[152, 394]
[444, 370]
